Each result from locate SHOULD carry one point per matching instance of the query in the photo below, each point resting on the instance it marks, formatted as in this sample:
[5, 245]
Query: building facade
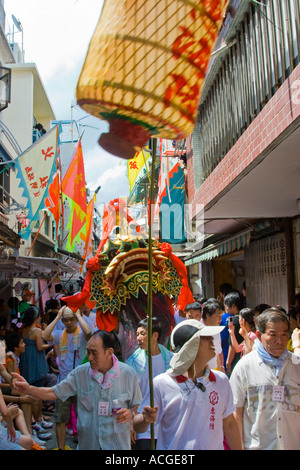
[242, 158]
[23, 104]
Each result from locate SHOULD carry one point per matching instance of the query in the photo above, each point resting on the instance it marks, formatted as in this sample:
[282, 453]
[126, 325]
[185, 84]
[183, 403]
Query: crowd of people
[228, 377]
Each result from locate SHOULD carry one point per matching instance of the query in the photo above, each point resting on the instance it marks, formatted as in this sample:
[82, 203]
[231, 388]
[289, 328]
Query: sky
[56, 35]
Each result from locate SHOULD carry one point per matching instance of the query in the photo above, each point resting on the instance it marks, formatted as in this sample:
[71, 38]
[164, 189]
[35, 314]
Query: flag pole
[39, 229]
[149, 305]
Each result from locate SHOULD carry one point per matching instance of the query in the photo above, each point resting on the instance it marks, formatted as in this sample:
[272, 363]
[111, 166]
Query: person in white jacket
[266, 388]
[193, 405]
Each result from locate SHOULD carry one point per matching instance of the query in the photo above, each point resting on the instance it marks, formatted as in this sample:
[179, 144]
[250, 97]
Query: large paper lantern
[145, 67]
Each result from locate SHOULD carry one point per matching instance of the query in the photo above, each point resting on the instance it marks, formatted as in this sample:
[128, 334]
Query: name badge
[278, 393]
[103, 408]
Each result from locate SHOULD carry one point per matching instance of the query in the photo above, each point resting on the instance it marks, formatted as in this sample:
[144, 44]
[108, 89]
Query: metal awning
[35, 268]
[231, 245]
[235, 243]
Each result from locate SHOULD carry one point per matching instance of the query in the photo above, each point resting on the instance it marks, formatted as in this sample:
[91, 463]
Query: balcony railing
[264, 52]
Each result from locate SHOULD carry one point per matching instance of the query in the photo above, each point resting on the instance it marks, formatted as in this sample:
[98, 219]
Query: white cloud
[109, 172]
[56, 34]
[56, 37]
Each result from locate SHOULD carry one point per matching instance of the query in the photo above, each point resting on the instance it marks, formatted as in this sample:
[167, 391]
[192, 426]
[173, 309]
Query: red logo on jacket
[213, 398]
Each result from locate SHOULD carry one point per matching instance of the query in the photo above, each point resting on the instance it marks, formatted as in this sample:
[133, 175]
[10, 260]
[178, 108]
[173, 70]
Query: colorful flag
[170, 199]
[74, 191]
[108, 223]
[88, 247]
[167, 168]
[136, 165]
[35, 168]
[171, 209]
[53, 202]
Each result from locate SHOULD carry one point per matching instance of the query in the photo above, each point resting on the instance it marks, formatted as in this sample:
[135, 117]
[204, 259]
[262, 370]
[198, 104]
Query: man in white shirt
[70, 348]
[266, 388]
[161, 357]
[97, 385]
[194, 405]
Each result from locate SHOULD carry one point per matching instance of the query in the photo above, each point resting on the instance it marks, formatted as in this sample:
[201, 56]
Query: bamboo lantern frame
[145, 68]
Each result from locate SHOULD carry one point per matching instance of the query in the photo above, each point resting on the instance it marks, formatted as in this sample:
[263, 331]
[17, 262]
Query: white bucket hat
[185, 340]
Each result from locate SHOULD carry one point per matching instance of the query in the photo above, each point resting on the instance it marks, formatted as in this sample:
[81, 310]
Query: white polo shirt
[187, 417]
[271, 418]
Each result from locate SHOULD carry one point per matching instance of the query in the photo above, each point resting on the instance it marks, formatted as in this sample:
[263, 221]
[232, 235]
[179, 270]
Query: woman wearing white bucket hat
[194, 405]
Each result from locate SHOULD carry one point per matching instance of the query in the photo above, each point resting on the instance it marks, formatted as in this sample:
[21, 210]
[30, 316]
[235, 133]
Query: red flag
[74, 190]
[108, 222]
[52, 202]
[88, 239]
[77, 223]
[73, 183]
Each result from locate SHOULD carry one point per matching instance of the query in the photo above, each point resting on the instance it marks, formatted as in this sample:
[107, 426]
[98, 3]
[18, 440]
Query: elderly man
[70, 347]
[266, 387]
[97, 385]
[194, 405]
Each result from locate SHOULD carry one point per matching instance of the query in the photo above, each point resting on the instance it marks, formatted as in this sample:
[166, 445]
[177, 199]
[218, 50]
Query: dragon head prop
[117, 280]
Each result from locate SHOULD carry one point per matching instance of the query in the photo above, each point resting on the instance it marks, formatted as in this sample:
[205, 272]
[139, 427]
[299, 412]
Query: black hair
[293, 313]
[52, 304]
[194, 306]
[261, 307]
[156, 326]
[248, 315]
[13, 341]
[30, 315]
[297, 300]
[58, 288]
[234, 298]
[200, 299]
[107, 337]
[209, 308]
[225, 288]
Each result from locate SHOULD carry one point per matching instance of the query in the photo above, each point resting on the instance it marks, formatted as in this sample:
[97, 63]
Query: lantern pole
[149, 306]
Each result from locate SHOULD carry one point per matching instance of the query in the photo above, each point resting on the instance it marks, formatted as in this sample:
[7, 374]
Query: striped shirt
[97, 430]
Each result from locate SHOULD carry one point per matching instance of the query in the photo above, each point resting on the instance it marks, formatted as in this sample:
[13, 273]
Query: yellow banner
[136, 165]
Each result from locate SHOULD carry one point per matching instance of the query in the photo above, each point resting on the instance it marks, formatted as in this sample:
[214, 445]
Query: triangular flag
[73, 183]
[135, 166]
[89, 228]
[74, 191]
[78, 223]
[52, 202]
[88, 247]
[35, 168]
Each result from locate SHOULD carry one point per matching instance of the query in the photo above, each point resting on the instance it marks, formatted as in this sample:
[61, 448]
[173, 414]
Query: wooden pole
[45, 215]
[149, 306]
